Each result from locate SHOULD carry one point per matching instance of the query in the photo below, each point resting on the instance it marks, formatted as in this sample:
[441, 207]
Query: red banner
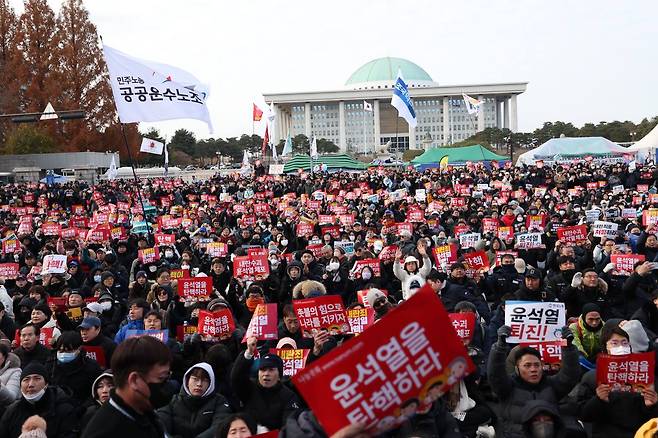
[464, 324]
[360, 264]
[574, 234]
[148, 255]
[316, 249]
[10, 246]
[251, 267]
[630, 372]
[97, 354]
[415, 215]
[551, 351]
[404, 226]
[477, 260]
[164, 239]
[333, 231]
[325, 312]
[388, 253]
[360, 319]
[445, 254]
[293, 360]
[263, 324]
[118, 233]
[177, 274]
[217, 249]
[625, 263]
[216, 324]
[197, 287]
[409, 354]
[326, 219]
[98, 235]
[304, 229]
[51, 229]
[9, 270]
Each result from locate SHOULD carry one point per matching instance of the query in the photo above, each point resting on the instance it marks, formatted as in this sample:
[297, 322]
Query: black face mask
[159, 395]
[568, 274]
[543, 429]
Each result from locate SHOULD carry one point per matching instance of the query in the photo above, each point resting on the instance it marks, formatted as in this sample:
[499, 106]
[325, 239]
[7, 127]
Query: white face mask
[333, 266]
[366, 275]
[169, 254]
[153, 268]
[284, 242]
[33, 398]
[620, 350]
[97, 278]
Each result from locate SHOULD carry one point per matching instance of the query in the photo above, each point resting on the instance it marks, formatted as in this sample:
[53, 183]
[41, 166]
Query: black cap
[533, 273]
[271, 361]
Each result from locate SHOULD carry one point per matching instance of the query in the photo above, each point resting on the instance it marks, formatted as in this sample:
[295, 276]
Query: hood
[12, 361]
[535, 407]
[208, 369]
[98, 379]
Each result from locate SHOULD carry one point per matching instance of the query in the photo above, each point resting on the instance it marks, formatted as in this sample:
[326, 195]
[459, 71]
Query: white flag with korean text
[146, 91]
[151, 146]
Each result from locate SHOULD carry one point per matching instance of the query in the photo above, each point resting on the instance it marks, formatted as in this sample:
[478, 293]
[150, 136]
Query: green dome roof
[386, 69]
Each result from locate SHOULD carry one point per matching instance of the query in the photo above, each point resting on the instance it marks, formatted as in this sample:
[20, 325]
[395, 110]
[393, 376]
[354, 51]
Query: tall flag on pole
[147, 91]
[314, 148]
[151, 146]
[402, 101]
[287, 148]
[112, 171]
[166, 161]
[367, 106]
[472, 104]
[266, 141]
[245, 160]
[257, 114]
[275, 155]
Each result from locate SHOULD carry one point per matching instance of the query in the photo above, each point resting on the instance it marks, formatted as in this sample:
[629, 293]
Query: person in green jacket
[587, 332]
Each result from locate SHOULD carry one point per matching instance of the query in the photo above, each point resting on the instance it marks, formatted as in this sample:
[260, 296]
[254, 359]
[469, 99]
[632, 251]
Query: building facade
[341, 116]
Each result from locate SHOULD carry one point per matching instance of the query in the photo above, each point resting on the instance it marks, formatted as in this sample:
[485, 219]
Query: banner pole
[136, 186]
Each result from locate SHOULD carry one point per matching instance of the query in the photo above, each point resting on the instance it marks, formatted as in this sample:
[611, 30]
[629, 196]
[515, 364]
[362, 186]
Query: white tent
[565, 148]
[647, 146]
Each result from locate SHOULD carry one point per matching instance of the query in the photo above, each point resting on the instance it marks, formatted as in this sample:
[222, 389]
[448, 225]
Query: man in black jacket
[31, 349]
[141, 370]
[93, 338]
[266, 400]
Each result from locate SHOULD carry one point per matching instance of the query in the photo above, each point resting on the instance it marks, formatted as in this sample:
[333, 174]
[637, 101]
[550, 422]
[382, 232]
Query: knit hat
[34, 427]
[45, 309]
[141, 274]
[374, 294]
[519, 265]
[34, 368]
[590, 307]
[271, 361]
[286, 341]
[636, 334]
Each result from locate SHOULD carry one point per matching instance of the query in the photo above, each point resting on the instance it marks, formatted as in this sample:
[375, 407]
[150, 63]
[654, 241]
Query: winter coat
[106, 344]
[504, 279]
[587, 342]
[188, 416]
[514, 393]
[77, 376]
[637, 291]
[116, 419]
[648, 316]
[38, 354]
[131, 325]
[56, 407]
[403, 275]
[464, 290]
[270, 407]
[10, 385]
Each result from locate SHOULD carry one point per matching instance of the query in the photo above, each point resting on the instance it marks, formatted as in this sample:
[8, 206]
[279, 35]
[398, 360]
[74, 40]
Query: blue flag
[402, 101]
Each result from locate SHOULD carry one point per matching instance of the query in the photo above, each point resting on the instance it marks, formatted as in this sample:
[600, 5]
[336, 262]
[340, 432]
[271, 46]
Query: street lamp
[36, 117]
[633, 136]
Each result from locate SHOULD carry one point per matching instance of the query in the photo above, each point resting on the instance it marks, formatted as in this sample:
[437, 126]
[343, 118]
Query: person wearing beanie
[503, 279]
[140, 287]
[461, 288]
[34, 427]
[587, 333]
[378, 300]
[42, 318]
[265, 399]
[39, 398]
[198, 409]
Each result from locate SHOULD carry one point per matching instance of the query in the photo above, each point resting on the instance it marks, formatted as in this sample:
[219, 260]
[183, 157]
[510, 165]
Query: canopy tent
[332, 161]
[456, 156]
[647, 146]
[569, 148]
[56, 179]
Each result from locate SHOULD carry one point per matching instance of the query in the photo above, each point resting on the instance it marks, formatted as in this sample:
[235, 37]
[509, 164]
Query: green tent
[333, 162]
[456, 156]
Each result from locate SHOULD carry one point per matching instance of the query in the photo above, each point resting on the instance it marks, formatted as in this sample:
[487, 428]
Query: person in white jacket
[6, 300]
[410, 268]
[10, 373]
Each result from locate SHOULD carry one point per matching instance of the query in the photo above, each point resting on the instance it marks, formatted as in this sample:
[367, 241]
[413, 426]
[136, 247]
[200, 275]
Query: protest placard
[604, 229]
[360, 264]
[263, 324]
[96, 353]
[51, 229]
[53, 264]
[650, 217]
[464, 324]
[347, 245]
[148, 255]
[185, 332]
[489, 226]
[404, 227]
[360, 319]
[573, 234]
[629, 213]
[629, 372]
[408, 355]
[388, 253]
[469, 240]
[534, 321]
[528, 241]
[160, 335]
[592, 215]
[505, 233]
[415, 214]
[477, 260]
[444, 255]
[164, 239]
[550, 351]
[293, 360]
[321, 313]
[316, 249]
[10, 246]
[625, 263]
[217, 249]
[199, 288]
[304, 229]
[9, 270]
[535, 222]
[216, 324]
[251, 267]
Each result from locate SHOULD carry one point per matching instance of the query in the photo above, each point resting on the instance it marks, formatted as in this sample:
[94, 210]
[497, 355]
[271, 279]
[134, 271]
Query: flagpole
[136, 186]
[365, 147]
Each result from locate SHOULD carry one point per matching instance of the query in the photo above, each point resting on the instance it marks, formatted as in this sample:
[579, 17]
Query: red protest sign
[360, 319]
[325, 312]
[625, 263]
[333, 231]
[293, 360]
[551, 351]
[10, 246]
[445, 254]
[373, 264]
[118, 233]
[261, 209]
[407, 355]
[575, 234]
[251, 267]
[164, 239]
[51, 229]
[78, 209]
[45, 336]
[362, 296]
[388, 253]
[477, 260]
[415, 215]
[316, 249]
[505, 233]
[464, 324]
[216, 324]
[177, 274]
[304, 229]
[347, 219]
[197, 287]
[97, 354]
[217, 249]
[148, 255]
[98, 235]
[630, 372]
[9, 270]
[326, 219]
[489, 225]
[263, 324]
[404, 226]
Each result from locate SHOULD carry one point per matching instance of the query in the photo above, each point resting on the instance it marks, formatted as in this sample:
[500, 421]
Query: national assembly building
[359, 117]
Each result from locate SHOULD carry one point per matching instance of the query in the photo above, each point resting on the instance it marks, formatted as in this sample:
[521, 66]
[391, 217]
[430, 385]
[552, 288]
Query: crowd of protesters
[221, 387]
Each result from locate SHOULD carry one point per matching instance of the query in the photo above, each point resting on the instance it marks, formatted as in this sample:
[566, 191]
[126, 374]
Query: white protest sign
[528, 241]
[604, 229]
[629, 213]
[534, 321]
[347, 245]
[618, 189]
[469, 240]
[276, 169]
[421, 195]
[53, 264]
[592, 215]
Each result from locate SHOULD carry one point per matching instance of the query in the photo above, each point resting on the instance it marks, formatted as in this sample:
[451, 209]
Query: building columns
[342, 140]
[481, 114]
[446, 121]
[412, 137]
[513, 118]
[278, 121]
[499, 118]
[378, 135]
[506, 113]
[307, 120]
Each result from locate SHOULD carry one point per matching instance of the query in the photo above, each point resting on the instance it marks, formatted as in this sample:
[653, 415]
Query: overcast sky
[584, 60]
